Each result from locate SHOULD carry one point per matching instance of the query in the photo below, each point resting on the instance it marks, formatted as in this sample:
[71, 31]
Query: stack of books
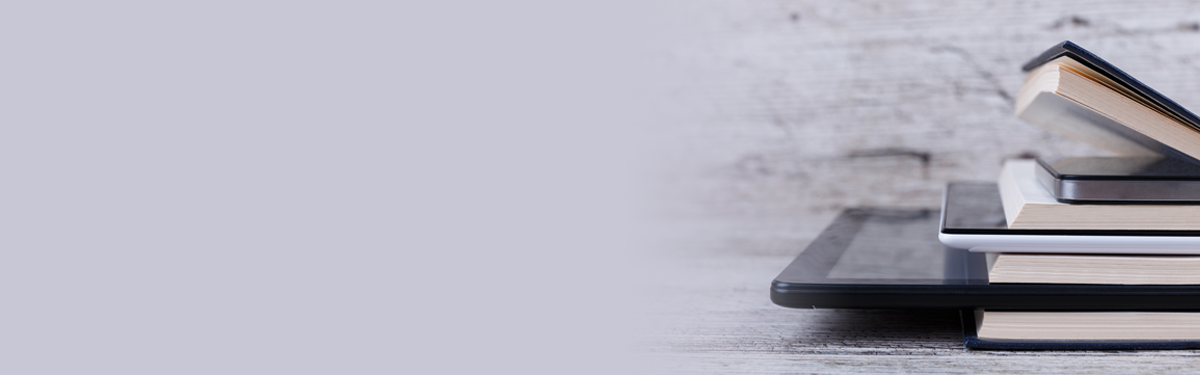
[1151, 188]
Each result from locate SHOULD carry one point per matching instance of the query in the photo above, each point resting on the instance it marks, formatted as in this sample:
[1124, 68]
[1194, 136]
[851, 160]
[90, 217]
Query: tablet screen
[884, 249]
[887, 247]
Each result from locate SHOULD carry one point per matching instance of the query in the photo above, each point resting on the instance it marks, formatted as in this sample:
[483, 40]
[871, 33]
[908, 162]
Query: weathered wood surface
[799, 109]
[712, 315]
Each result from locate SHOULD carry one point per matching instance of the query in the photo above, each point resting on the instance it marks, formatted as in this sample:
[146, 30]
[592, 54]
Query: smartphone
[1120, 179]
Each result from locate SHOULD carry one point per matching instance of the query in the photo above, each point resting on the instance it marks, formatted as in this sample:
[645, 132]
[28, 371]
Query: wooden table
[713, 315]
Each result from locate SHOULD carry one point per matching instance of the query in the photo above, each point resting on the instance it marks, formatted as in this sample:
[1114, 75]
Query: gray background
[522, 187]
[282, 187]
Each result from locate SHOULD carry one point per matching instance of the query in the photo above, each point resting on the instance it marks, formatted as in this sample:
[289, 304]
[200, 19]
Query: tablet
[973, 218]
[878, 258]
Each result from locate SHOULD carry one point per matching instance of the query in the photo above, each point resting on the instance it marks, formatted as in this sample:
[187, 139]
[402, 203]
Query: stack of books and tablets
[1058, 253]
[1150, 191]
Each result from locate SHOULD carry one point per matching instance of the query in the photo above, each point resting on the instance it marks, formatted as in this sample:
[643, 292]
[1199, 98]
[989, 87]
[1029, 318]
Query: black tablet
[884, 258]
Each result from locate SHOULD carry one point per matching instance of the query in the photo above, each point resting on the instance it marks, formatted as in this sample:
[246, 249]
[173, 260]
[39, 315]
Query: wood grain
[711, 314]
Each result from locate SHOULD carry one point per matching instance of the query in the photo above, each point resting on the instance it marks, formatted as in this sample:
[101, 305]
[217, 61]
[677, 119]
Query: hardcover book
[1075, 330]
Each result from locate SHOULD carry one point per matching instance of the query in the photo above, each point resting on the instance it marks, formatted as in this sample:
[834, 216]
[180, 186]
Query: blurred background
[809, 107]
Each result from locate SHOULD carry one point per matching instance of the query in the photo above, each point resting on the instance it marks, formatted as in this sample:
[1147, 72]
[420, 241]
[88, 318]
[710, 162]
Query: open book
[1073, 92]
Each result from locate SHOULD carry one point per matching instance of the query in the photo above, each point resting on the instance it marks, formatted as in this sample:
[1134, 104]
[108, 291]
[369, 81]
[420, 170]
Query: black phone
[1120, 179]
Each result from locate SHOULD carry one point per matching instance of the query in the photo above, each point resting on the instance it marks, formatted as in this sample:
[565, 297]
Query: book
[1093, 269]
[1087, 326]
[1083, 97]
[1028, 205]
